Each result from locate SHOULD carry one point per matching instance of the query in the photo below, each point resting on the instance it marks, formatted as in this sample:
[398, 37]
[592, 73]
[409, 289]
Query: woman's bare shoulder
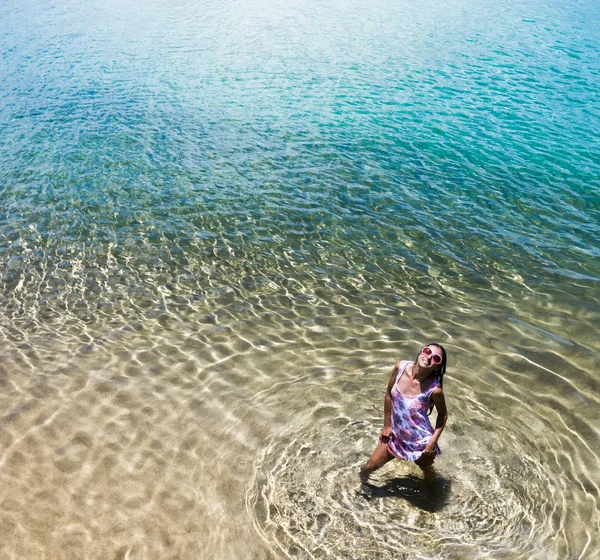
[437, 392]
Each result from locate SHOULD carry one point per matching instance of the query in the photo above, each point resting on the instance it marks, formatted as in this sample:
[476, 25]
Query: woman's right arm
[387, 406]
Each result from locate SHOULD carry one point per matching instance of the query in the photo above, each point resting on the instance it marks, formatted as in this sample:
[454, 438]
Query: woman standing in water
[413, 390]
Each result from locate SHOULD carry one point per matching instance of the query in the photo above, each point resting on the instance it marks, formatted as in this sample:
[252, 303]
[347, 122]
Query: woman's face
[430, 357]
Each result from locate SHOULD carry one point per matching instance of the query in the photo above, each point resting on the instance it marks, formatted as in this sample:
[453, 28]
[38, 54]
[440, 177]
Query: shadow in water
[429, 494]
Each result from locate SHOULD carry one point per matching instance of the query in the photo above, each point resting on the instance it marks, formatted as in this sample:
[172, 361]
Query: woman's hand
[386, 434]
[429, 451]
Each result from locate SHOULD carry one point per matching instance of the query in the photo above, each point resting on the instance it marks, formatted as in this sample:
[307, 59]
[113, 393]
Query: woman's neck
[420, 373]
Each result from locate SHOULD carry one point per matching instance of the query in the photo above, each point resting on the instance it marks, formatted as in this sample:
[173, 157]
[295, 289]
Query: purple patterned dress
[411, 428]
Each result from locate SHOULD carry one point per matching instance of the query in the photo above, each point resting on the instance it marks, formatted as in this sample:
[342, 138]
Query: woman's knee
[425, 462]
[379, 458]
[371, 465]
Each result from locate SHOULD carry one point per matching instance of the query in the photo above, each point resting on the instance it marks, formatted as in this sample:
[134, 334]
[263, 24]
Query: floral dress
[411, 428]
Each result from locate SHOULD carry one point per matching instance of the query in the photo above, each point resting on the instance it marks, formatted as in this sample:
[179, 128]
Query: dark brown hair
[440, 370]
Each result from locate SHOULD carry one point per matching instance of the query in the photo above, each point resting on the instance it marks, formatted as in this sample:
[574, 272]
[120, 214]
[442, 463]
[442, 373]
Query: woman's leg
[426, 465]
[379, 458]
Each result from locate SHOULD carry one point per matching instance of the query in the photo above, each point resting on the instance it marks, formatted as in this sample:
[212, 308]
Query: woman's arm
[387, 406]
[437, 397]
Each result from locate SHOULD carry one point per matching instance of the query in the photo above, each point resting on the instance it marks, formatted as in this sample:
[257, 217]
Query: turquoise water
[229, 220]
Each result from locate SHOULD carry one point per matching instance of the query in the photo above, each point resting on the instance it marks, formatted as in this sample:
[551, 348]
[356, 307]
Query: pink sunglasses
[435, 358]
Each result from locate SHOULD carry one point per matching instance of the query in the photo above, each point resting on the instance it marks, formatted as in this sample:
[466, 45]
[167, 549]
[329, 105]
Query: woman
[413, 390]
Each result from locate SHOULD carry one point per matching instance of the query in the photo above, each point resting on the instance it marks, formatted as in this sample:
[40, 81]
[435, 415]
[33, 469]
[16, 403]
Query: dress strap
[403, 364]
[433, 386]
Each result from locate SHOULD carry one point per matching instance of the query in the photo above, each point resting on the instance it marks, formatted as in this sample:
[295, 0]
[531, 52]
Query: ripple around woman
[413, 390]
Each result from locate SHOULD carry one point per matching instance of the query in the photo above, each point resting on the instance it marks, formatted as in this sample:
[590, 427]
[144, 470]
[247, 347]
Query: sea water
[222, 223]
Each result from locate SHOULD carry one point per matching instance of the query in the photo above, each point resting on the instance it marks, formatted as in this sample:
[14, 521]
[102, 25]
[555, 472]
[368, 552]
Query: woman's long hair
[439, 372]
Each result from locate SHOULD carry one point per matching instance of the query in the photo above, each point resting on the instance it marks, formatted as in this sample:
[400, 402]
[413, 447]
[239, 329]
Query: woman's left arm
[437, 397]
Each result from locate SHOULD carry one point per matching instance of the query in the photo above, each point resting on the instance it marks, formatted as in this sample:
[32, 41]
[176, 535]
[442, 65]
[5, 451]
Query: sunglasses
[435, 358]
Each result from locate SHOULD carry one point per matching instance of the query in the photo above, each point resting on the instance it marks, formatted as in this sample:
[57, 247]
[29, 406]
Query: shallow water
[223, 223]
